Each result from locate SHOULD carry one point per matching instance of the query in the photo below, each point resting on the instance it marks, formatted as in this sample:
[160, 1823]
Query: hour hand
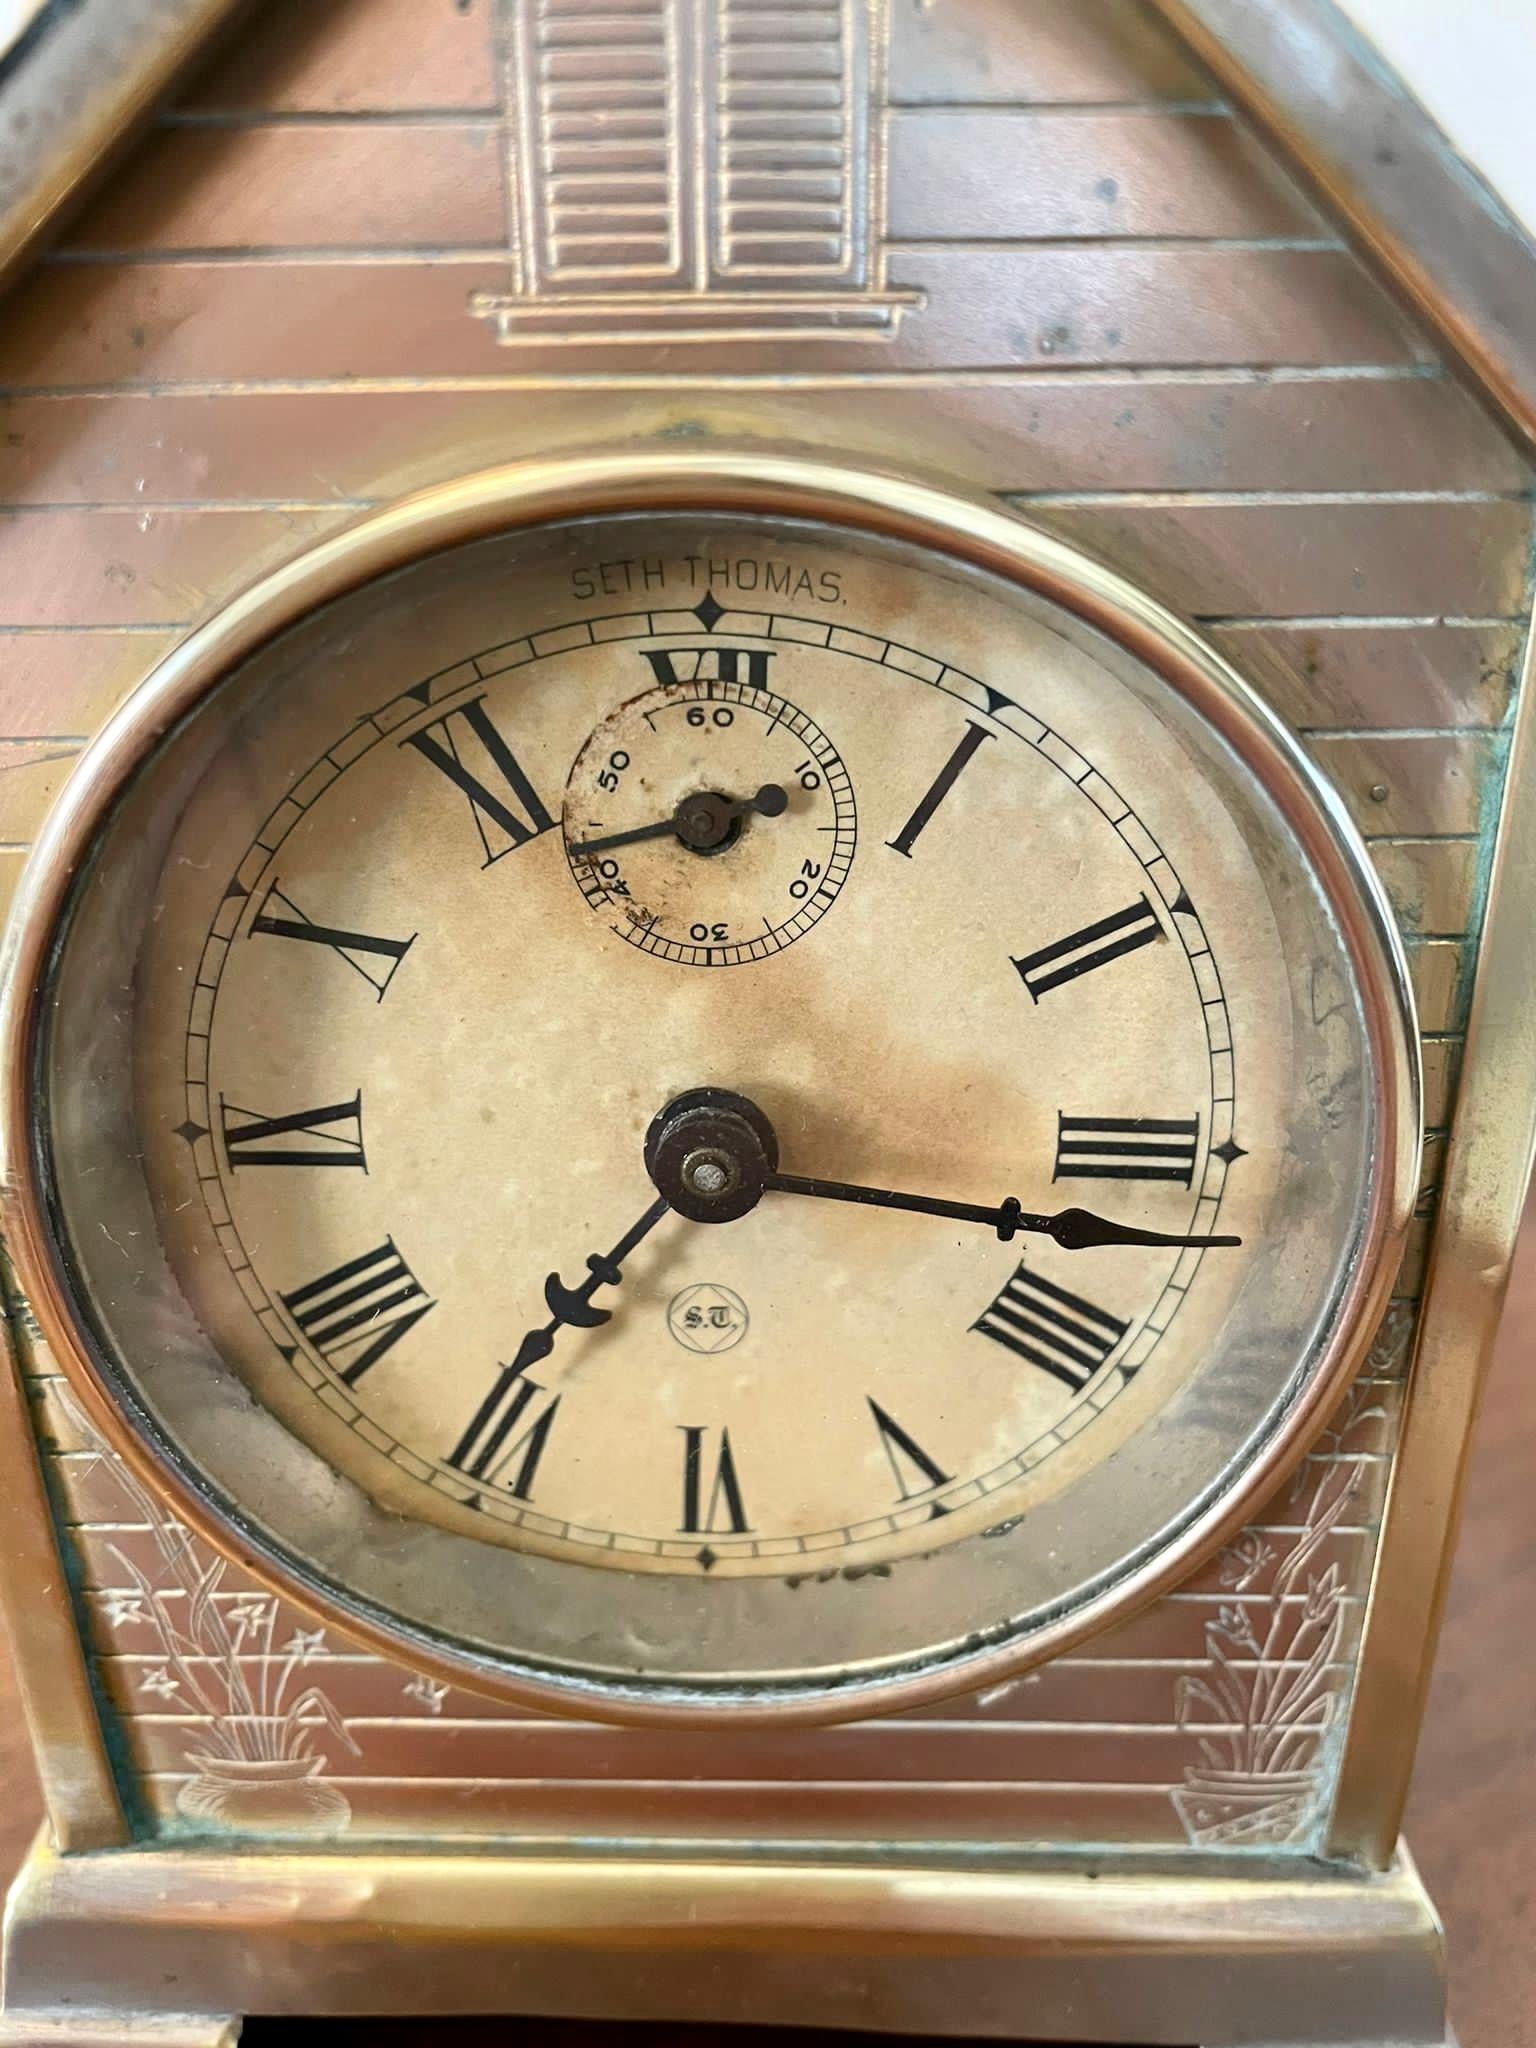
[569, 1307]
[1073, 1229]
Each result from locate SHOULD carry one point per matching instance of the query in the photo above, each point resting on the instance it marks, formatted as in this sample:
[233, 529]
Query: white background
[14, 16]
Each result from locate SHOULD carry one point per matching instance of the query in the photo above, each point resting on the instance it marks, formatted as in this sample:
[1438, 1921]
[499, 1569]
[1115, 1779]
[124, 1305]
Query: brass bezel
[974, 533]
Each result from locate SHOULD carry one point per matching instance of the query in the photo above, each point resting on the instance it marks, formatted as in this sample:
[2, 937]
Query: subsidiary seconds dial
[710, 819]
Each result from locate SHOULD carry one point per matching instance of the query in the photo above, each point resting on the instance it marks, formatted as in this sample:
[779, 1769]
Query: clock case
[1197, 288]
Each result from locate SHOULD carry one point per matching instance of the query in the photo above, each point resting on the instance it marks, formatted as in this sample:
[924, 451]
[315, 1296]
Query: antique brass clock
[765, 838]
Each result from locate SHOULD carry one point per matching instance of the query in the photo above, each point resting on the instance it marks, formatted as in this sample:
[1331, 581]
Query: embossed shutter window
[597, 91]
[791, 159]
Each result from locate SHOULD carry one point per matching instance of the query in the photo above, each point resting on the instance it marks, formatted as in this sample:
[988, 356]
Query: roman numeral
[331, 1136]
[1060, 1332]
[369, 1302]
[500, 1439]
[502, 1426]
[467, 731]
[1094, 946]
[531, 1442]
[940, 787]
[711, 664]
[911, 1467]
[1126, 1148]
[363, 953]
[701, 1510]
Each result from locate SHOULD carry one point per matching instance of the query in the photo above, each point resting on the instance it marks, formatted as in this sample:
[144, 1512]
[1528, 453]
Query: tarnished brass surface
[75, 82]
[1443, 237]
[1483, 1195]
[1194, 377]
[1347, 528]
[79, 1786]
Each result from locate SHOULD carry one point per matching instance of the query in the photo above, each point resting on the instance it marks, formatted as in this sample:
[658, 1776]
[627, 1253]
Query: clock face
[713, 1102]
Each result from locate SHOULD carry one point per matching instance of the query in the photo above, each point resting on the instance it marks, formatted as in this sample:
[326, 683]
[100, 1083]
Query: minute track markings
[384, 724]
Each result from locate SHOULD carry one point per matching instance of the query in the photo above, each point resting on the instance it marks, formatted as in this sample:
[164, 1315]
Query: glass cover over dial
[685, 1106]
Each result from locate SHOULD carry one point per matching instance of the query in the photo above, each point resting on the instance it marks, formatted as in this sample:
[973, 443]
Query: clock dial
[424, 1164]
[717, 1057]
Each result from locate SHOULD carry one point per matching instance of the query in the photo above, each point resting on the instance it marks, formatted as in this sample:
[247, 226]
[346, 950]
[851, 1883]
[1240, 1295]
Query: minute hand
[1075, 1230]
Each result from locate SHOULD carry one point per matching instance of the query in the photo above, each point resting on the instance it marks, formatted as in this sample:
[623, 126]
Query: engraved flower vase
[272, 1793]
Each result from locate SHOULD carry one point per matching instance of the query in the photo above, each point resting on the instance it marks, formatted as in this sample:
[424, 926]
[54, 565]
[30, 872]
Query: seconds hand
[567, 1305]
[701, 822]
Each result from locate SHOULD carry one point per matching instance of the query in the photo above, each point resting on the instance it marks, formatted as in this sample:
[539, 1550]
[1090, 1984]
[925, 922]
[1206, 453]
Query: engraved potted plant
[1269, 1694]
[255, 1759]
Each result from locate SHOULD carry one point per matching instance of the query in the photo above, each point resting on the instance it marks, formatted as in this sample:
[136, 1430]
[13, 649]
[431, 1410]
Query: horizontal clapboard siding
[1006, 175]
[402, 185]
[358, 57]
[956, 176]
[1296, 560]
[1223, 430]
[1076, 51]
[1135, 1816]
[204, 323]
[868, 1753]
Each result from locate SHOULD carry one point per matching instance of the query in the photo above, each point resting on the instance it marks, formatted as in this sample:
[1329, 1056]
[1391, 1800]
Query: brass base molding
[896, 1946]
